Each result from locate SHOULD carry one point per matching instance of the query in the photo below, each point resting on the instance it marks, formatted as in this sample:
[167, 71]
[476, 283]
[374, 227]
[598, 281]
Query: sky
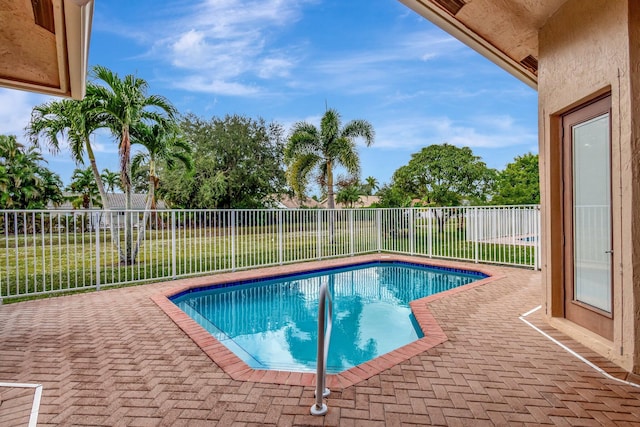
[286, 61]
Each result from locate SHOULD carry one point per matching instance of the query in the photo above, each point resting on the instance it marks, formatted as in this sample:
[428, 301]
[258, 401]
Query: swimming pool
[272, 323]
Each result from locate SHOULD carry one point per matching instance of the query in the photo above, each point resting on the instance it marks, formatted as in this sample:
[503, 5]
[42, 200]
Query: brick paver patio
[115, 358]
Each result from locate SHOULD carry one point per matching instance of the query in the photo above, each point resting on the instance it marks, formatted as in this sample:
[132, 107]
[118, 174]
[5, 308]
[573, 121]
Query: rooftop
[115, 358]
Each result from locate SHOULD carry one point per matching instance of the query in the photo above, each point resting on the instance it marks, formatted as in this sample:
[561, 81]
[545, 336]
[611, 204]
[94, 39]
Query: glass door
[587, 213]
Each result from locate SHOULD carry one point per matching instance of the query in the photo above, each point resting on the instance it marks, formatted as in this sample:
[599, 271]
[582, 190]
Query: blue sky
[285, 60]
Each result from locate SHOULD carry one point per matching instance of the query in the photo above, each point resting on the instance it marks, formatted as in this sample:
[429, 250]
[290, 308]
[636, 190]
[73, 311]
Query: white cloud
[479, 132]
[15, 111]
[370, 70]
[190, 43]
[225, 44]
[229, 40]
[274, 67]
[197, 83]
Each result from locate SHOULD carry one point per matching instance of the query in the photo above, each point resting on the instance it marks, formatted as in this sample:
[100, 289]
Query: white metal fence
[43, 252]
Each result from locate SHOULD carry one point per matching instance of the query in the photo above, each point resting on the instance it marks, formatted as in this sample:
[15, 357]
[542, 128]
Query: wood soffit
[44, 45]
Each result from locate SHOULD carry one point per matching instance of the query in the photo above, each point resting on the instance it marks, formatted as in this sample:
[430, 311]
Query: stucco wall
[634, 58]
[585, 52]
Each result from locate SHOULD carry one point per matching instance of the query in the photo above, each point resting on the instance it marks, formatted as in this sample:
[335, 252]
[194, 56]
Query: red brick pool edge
[238, 370]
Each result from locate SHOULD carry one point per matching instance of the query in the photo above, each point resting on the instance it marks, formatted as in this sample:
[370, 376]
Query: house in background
[45, 45]
[363, 202]
[96, 215]
[116, 202]
[583, 57]
[284, 201]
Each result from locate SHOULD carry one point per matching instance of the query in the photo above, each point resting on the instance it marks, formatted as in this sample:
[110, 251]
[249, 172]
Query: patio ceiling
[44, 45]
[504, 31]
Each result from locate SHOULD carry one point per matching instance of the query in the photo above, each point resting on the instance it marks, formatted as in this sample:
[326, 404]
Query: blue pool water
[272, 324]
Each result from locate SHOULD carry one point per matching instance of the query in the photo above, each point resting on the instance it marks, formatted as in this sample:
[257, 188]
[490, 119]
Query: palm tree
[348, 196]
[110, 180]
[85, 195]
[324, 149]
[163, 143]
[370, 185]
[50, 184]
[76, 120]
[24, 183]
[123, 103]
[84, 189]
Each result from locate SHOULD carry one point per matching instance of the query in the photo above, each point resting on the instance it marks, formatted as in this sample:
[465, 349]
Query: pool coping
[239, 370]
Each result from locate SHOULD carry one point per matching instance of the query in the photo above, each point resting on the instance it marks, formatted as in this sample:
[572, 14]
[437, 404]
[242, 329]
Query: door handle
[610, 251]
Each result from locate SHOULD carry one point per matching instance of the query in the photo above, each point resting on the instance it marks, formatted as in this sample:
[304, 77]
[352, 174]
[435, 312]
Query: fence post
[233, 239]
[412, 243]
[97, 226]
[536, 247]
[280, 237]
[379, 228]
[430, 213]
[318, 234]
[351, 243]
[174, 267]
[476, 237]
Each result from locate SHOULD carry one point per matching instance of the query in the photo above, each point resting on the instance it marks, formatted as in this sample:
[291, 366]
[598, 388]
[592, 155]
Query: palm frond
[300, 170]
[359, 128]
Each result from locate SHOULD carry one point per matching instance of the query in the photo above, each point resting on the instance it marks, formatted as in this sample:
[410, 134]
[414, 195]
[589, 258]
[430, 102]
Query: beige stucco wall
[585, 50]
[634, 78]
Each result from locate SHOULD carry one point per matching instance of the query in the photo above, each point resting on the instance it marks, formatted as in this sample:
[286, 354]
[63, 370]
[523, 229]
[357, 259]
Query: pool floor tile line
[114, 358]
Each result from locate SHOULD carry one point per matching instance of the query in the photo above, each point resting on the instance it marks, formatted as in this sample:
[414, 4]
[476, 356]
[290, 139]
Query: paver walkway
[114, 358]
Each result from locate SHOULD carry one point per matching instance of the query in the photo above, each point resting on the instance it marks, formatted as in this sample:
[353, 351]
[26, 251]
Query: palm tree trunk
[156, 219]
[331, 204]
[128, 228]
[150, 198]
[330, 201]
[103, 196]
[125, 165]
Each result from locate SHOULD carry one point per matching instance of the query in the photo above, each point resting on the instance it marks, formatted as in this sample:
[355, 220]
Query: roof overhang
[44, 45]
[505, 32]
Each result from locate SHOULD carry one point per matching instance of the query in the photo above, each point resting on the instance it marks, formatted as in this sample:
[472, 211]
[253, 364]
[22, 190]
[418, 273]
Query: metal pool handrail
[324, 336]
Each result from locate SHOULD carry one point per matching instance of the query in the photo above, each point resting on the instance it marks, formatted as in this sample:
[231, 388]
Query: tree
[237, 163]
[139, 175]
[310, 149]
[110, 180]
[348, 195]
[24, 182]
[445, 175]
[519, 182]
[123, 103]
[84, 189]
[370, 185]
[74, 119]
[393, 197]
[162, 142]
